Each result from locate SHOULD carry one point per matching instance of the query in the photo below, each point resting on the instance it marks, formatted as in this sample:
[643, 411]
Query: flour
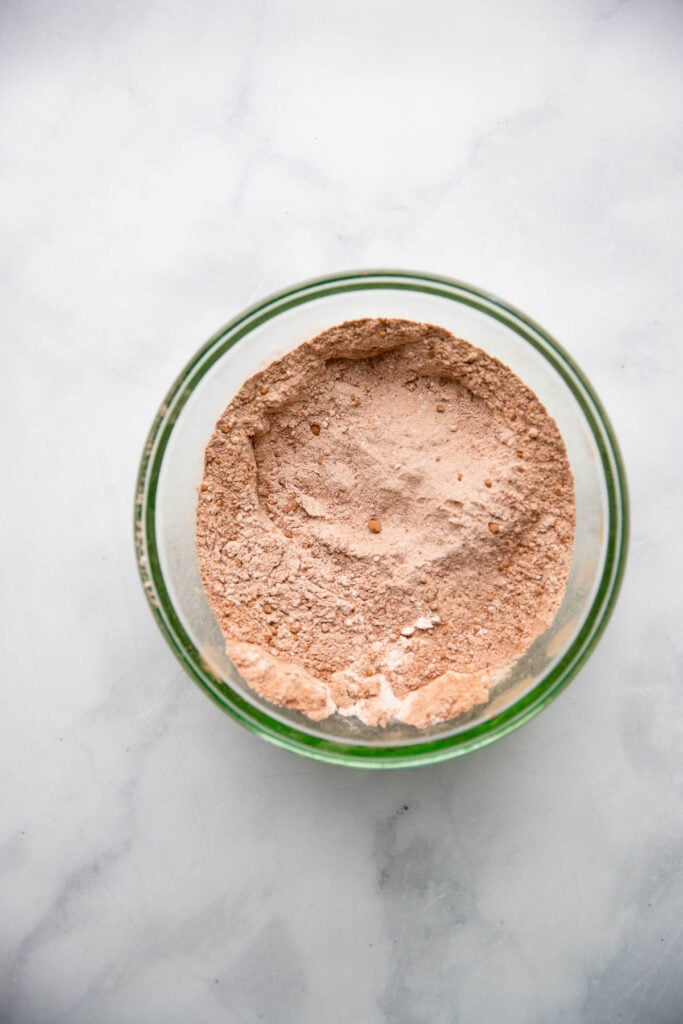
[384, 525]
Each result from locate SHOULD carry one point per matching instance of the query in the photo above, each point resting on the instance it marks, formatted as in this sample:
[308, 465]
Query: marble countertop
[161, 167]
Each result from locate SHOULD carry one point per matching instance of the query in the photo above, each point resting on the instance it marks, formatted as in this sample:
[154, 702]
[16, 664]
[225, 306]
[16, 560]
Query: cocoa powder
[385, 523]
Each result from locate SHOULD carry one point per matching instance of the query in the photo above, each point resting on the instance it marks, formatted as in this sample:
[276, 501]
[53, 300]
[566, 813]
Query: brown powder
[385, 523]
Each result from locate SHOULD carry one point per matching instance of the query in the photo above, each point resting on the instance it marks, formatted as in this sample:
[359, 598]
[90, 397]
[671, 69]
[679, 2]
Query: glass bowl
[172, 467]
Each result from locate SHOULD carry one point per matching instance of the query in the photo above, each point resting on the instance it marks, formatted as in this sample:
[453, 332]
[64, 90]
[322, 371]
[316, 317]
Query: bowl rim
[334, 750]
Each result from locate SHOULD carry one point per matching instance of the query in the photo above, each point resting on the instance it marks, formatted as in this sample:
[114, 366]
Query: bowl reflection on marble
[172, 467]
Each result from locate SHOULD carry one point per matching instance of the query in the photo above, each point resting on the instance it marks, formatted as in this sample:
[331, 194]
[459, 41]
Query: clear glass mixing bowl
[172, 467]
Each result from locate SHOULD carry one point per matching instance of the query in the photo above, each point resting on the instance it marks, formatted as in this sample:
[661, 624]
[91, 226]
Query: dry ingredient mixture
[384, 525]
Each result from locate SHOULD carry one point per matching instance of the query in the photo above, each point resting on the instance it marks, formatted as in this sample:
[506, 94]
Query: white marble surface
[162, 165]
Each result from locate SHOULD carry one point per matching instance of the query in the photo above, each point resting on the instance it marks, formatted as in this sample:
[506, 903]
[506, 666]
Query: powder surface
[385, 523]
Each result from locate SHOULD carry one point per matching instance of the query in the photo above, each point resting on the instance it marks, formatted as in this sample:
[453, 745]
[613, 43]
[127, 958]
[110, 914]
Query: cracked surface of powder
[385, 523]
